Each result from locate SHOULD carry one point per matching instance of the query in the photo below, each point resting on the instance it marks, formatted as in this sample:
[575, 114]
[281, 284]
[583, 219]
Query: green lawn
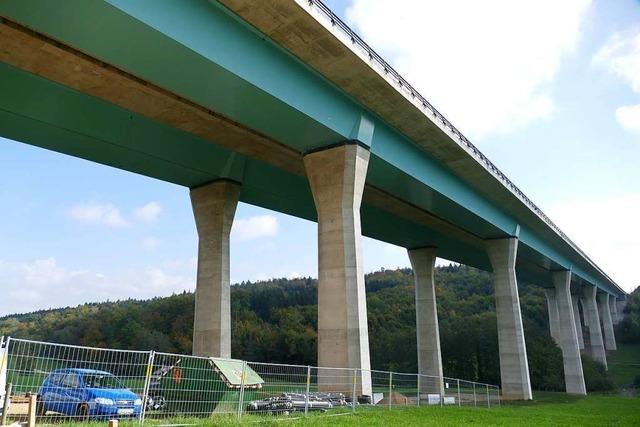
[548, 409]
[624, 364]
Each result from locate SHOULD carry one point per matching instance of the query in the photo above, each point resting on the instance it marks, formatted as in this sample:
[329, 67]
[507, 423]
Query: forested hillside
[275, 321]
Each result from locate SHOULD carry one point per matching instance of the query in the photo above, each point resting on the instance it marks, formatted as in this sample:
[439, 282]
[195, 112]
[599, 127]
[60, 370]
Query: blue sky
[549, 90]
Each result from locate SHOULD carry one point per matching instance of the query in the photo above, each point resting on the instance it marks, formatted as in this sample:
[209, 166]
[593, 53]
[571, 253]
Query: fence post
[418, 386]
[390, 387]
[459, 401]
[354, 392]
[446, 386]
[242, 382]
[145, 387]
[306, 396]
[488, 399]
[7, 402]
[475, 401]
[498, 388]
[31, 413]
[8, 387]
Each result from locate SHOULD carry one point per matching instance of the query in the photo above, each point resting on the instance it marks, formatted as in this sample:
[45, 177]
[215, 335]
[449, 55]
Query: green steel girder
[46, 114]
[199, 51]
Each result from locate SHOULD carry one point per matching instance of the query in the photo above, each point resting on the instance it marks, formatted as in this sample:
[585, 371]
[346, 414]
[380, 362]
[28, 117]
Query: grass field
[548, 409]
[624, 364]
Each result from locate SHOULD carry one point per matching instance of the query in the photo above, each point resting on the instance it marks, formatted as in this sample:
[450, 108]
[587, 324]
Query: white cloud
[108, 214]
[487, 65]
[148, 212]
[621, 56]
[255, 227]
[607, 230]
[629, 117]
[43, 284]
[95, 213]
[150, 243]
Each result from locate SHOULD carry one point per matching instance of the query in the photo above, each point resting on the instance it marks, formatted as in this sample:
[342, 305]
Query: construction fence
[74, 383]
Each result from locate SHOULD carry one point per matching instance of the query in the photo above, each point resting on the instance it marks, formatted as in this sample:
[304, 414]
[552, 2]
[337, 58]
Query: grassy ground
[624, 364]
[548, 409]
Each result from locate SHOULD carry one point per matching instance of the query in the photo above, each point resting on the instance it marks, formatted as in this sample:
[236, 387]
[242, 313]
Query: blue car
[87, 394]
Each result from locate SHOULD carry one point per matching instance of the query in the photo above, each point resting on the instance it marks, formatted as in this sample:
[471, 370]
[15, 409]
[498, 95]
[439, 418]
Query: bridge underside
[58, 98]
[189, 93]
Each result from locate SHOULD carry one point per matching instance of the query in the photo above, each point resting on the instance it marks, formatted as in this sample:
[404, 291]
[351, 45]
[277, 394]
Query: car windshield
[101, 381]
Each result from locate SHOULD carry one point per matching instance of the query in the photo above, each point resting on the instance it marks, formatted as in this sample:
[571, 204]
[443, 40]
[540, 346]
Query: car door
[72, 393]
[53, 396]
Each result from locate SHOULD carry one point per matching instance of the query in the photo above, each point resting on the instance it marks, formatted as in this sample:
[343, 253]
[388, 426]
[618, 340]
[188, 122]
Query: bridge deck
[188, 92]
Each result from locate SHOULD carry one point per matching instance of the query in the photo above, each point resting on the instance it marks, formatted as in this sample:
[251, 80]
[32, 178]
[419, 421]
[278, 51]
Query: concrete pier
[214, 206]
[552, 309]
[428, 336]
[620, 305]
[337, 177]
[573, 375]
[613, 308]
[607, 323]
[584, 310]
[514, 367]
[590, 308]
[576, 317]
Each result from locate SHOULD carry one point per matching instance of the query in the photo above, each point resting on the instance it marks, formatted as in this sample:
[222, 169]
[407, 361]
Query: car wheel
[82, 413]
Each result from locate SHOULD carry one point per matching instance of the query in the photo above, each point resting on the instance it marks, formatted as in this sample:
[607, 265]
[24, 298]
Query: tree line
[276, 321]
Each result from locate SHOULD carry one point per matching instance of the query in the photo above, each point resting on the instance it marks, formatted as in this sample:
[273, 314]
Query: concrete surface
[336, 177]
[595, 332]
[514, 366]
[576, 317]
[427, 331]
[613, 308]
[552, 310]
[573, 375]
[607, 322]
[214, 206]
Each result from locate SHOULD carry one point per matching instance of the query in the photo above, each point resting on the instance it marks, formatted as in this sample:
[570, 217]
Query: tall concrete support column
[214, 206]
[590, 309]
[607, 323]
[514, 366]
[573, 375]
[613, 308]
[552, 309]
[621, 304]
[584, 310]
[337, 176]
[576, 317]
[428, 336]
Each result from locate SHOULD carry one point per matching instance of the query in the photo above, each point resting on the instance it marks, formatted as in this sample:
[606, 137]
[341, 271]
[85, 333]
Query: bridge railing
[404, 87]
[77, 384]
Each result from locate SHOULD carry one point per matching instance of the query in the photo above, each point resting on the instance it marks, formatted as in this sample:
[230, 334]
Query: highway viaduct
[278, 104]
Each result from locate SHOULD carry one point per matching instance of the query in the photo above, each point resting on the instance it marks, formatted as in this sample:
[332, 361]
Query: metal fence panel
[282, 392]
[404, 389]
[75, 383]
[190, 386]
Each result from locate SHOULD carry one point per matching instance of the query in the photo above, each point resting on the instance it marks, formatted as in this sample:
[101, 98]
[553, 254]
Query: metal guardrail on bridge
[429, 109]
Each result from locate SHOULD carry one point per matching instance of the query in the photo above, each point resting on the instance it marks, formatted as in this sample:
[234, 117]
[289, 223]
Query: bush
[595, 375]
[545, 363]
[628, 330]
